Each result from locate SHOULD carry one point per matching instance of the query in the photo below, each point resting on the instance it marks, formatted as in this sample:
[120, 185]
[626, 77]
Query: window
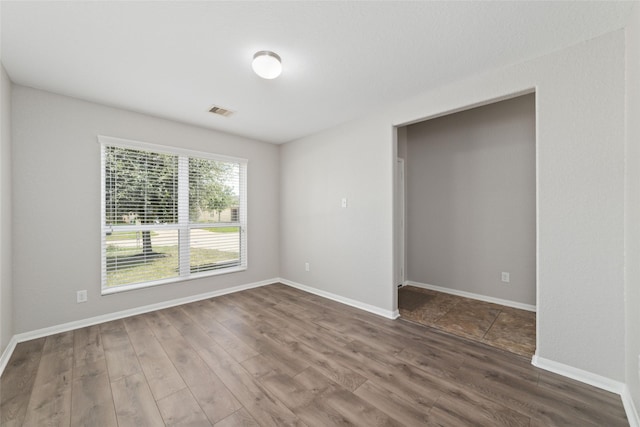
[169, 214]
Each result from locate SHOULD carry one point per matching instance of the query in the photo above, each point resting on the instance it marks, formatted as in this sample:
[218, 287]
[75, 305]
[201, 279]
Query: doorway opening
[465, 241]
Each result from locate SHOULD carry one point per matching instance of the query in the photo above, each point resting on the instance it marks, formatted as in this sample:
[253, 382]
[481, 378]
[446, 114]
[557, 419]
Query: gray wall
[6, 299]
[470, 200]
[632, 219]
[345, 247]
[580, 102]
[56, 216]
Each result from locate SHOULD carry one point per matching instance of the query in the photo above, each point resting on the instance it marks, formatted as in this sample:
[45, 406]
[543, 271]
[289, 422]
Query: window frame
[183, 226]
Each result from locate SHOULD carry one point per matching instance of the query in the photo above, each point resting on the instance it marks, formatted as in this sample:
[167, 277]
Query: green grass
[161, 264]
[127, 235]
[223, 229]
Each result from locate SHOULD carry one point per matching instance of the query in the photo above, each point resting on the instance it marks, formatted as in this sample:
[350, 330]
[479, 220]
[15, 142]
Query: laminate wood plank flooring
[275, 356]
[16, 383]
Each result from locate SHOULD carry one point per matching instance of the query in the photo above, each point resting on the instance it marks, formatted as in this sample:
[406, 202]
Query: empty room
[319, 213]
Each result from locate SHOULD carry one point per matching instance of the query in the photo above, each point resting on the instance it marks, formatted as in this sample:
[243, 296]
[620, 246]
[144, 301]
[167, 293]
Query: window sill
[136, 286]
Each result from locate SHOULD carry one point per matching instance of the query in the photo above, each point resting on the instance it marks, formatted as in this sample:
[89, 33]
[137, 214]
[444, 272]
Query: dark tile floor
[503, 327]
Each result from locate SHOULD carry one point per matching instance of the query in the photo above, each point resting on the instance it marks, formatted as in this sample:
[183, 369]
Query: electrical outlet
[306, 266]
[505, 277]
[81, 296]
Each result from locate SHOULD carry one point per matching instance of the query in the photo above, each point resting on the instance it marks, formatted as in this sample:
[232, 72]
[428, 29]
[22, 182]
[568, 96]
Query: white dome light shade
[266, 64]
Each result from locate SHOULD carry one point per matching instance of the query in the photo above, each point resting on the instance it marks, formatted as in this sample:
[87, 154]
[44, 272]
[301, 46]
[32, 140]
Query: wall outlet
[306, 266]
[505, 277]
[81, 296]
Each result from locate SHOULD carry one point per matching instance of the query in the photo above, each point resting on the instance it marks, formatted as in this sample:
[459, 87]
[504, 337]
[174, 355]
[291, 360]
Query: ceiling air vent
[221, 111]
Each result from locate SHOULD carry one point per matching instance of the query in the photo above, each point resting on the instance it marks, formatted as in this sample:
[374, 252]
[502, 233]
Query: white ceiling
[341, 60]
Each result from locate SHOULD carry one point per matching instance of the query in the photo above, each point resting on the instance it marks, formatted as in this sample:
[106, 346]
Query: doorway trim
[401, 264]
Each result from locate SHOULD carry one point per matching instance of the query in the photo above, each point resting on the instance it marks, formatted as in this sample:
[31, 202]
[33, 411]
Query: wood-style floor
[277, 356]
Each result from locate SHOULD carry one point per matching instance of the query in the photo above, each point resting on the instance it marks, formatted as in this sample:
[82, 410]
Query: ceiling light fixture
[267, 64]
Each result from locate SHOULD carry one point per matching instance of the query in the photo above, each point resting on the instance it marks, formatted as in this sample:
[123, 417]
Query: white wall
[632, 220]
[56, 216]
[471, 200]
[6, 303]
[580, 179]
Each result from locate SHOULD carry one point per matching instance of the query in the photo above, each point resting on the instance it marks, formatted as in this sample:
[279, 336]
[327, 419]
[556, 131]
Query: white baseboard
[586, 377]
[6, 354]
[630, 408]
[595, 380]
[76, 324]
[347, 301]
[479, 297]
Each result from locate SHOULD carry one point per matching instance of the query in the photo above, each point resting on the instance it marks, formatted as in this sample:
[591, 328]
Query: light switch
[344, 202]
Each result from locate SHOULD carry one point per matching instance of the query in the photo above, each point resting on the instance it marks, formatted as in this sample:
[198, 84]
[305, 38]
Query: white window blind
[169, 214]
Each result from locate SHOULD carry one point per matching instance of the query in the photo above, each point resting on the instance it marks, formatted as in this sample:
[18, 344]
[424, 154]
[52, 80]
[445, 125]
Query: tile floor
[503, 327]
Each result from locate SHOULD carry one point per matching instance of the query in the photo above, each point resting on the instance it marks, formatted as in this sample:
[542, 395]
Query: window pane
[141, 256]
[167, 194]
[214, 189]
[214, 248]
[140, 187]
